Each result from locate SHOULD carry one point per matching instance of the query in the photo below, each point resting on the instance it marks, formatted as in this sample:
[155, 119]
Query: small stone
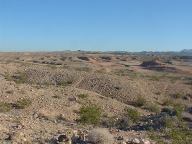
[143, 141]
[35, 115]
[136, 141]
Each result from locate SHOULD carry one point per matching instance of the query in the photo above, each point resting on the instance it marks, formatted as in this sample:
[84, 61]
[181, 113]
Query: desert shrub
[82, 96]
[156, 137]
[65, 83]
[154, 78]
[167, 102]
[188, 80]
[19, 78]
[132, 114]
[107, 58]
[174, 135]
[168, 122]
[176, 95]
[100, 136]
[22, 103]
[152, 107]
[179, 108]
[175, 130]
[180, 136]
[169, 111]
[123, 123]
[140, 101]
[83, 58]
[10, 92]
[127, 72]
[90, 115]
[5, 107]
[63, 58]
[109, 122]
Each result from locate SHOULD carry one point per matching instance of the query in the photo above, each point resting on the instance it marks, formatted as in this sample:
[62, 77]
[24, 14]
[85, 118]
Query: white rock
[136, 141]
[143, 141]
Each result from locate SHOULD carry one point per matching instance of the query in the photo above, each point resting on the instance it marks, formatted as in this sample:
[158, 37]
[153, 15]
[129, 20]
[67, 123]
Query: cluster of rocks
[97, 137]
[154, 121]
[137, 141]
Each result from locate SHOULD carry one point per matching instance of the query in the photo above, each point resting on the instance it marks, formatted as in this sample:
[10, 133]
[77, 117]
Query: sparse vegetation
[132, 114]
[175, 133]
[50, 90]
[176, 95]
[90, 115]
[10, 92]
[127, 72]
[83, 96]
[152, 107]
[188, 80]
[109, 122]
[168, 102]
[123, 123]
[5, 107]
[140, 101]
[65, 83]
[22, 103]
[20, 78]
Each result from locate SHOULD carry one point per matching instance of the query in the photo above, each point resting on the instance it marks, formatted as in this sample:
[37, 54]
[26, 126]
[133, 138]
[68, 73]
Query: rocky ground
[94, 98]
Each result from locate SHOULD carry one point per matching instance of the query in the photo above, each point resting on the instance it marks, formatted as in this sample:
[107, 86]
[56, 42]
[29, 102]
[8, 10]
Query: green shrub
[179, 108]
[82, 96]
[132, 114]
[23, 103]
[156, 137]
[167, 102]
[140, 101]
[90, 115]
[180, 136]
[169, 122]
[5, 107]
[175, 131]
[152, 107]
[19, 78]
[155, 78]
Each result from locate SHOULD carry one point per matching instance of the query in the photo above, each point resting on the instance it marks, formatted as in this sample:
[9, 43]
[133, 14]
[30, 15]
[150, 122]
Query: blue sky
[104, 25]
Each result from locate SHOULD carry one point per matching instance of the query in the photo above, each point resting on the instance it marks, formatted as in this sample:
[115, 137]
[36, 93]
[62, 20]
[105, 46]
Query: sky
[97, 25]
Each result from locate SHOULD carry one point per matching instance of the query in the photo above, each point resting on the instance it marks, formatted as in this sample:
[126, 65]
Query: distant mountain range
[184, 52]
